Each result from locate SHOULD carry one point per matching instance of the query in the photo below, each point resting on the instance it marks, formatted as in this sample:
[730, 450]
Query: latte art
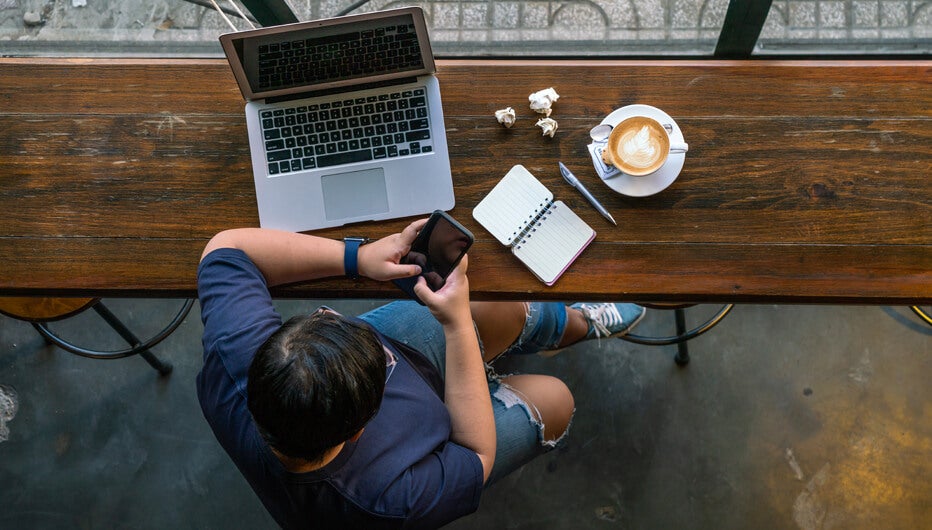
[640, 149]
[638, 146]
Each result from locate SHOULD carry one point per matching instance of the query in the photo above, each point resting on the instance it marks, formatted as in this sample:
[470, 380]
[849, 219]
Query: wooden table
[806, 182]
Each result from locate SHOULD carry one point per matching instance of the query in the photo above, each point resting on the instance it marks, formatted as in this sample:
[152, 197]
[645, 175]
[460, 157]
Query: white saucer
[663, 177]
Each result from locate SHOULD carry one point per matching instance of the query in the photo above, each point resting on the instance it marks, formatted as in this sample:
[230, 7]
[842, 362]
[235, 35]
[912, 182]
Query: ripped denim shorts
[520, 435]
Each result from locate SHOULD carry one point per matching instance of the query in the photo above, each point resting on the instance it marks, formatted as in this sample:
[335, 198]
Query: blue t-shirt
[403, 472]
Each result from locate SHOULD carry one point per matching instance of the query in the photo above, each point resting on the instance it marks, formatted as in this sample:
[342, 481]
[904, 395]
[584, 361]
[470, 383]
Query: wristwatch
[351, 254]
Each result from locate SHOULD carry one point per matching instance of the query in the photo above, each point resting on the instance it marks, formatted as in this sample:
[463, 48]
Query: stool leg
[162, 367]
[682, 350]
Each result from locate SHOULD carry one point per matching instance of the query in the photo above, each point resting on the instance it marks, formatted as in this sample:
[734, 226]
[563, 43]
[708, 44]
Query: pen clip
[568, 175]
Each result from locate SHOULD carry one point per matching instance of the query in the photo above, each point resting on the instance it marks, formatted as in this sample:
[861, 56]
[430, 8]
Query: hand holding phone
[437, 249]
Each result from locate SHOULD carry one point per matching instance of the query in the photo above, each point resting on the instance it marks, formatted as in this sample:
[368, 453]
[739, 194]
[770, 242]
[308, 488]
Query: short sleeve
[236, 310]
[444, 486]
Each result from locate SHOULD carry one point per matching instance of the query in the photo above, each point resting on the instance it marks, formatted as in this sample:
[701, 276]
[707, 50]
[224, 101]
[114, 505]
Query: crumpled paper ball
[506, 116]
[542, 100]
[548, 125]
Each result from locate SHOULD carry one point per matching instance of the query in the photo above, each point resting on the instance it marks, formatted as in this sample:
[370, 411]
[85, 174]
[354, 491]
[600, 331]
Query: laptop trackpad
[354, 194]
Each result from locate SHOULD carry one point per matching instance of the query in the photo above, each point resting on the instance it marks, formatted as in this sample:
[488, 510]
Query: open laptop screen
[331, 53]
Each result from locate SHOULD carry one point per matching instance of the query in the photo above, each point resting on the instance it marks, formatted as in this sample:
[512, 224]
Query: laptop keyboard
[343, 131]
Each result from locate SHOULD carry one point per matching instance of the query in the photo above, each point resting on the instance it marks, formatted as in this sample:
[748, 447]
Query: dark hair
[315, 383]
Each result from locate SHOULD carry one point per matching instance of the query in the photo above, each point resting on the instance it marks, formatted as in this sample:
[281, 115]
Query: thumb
[404, 271]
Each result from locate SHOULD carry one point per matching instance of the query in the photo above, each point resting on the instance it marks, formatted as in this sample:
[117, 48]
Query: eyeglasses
[390, 360]
[390, 363]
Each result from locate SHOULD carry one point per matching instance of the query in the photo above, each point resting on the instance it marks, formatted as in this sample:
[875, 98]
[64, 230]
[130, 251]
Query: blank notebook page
[554, 243]
[512, 204]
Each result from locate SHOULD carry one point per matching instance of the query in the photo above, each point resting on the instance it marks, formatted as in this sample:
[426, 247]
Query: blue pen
[574, 182]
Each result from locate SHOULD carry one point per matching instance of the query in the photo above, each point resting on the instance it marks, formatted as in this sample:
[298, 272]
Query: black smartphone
[438, 249]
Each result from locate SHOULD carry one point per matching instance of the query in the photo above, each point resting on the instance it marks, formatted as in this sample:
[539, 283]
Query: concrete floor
[787, 417]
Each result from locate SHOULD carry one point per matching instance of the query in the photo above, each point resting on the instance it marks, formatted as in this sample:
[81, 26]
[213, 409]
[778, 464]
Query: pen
[574, 182]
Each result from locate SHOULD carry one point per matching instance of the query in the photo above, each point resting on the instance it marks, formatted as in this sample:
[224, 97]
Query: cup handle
[679, 147]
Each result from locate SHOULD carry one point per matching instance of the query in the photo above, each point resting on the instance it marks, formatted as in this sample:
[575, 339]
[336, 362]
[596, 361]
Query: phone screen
[438, 249]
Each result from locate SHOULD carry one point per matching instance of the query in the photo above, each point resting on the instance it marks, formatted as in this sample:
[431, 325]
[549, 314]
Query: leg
[532, 416]
[163, 368]
[526, 327]
[550, 400]
[682, 350]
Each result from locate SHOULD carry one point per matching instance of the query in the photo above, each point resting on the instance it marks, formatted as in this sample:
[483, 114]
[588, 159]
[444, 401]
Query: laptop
[344, 119]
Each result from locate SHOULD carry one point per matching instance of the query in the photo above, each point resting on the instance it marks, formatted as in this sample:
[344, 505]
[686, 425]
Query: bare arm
[287, 257]
[467, 391]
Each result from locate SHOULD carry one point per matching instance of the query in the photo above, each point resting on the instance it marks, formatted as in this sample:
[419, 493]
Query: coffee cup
[638, 145]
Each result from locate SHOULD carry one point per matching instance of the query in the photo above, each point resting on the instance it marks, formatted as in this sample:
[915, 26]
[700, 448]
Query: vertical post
[270, 12]
[682, 350]
[743, 23]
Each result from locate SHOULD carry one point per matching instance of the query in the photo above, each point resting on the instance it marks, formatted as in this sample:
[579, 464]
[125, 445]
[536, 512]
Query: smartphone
[438, 249]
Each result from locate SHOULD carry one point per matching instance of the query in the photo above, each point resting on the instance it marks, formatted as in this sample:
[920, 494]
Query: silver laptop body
[344, 119]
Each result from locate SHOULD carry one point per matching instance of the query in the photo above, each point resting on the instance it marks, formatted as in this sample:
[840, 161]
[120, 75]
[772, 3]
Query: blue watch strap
[351, 255]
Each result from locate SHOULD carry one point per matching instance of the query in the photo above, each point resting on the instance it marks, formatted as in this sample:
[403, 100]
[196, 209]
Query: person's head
[315, 383]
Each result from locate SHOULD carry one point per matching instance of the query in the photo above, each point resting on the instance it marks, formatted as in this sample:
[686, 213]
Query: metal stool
[682, 334]
[926, 317]
[40, 311]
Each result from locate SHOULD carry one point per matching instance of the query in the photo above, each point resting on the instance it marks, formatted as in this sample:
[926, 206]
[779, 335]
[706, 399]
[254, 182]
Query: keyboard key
[274, 145]
[379, 152]
[344, 158]
[273, 168]
[275, 156]
[414, 136]
[418, 124]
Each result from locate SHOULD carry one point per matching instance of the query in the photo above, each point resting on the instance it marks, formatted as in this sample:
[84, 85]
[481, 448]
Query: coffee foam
[639, 145]
[640, 149]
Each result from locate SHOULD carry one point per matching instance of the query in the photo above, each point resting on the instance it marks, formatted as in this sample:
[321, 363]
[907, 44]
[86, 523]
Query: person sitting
[387, 420]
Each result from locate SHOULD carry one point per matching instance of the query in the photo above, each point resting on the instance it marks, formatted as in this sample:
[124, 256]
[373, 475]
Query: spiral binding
[528, 231]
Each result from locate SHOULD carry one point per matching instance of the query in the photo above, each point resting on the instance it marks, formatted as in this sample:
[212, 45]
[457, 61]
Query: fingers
[463, 264]
[410, 231]
[423, 292]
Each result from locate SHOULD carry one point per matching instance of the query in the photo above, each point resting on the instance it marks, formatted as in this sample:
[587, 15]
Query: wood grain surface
[805, 182]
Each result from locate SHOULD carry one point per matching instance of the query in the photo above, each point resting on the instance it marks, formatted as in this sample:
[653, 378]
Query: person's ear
[356, 436]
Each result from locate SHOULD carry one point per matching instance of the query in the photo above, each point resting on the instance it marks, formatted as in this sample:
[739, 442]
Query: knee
[548, 399]
[561, 408]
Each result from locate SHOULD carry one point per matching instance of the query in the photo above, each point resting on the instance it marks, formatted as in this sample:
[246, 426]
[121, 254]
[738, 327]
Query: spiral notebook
[544, 234]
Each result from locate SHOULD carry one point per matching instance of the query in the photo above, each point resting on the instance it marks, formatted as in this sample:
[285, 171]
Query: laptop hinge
[341, 90]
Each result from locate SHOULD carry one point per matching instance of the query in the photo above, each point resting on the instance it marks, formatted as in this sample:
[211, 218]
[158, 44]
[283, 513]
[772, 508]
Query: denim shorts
[519, 432]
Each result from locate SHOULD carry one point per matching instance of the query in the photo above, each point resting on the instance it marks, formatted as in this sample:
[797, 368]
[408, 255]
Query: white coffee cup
[638, 145]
